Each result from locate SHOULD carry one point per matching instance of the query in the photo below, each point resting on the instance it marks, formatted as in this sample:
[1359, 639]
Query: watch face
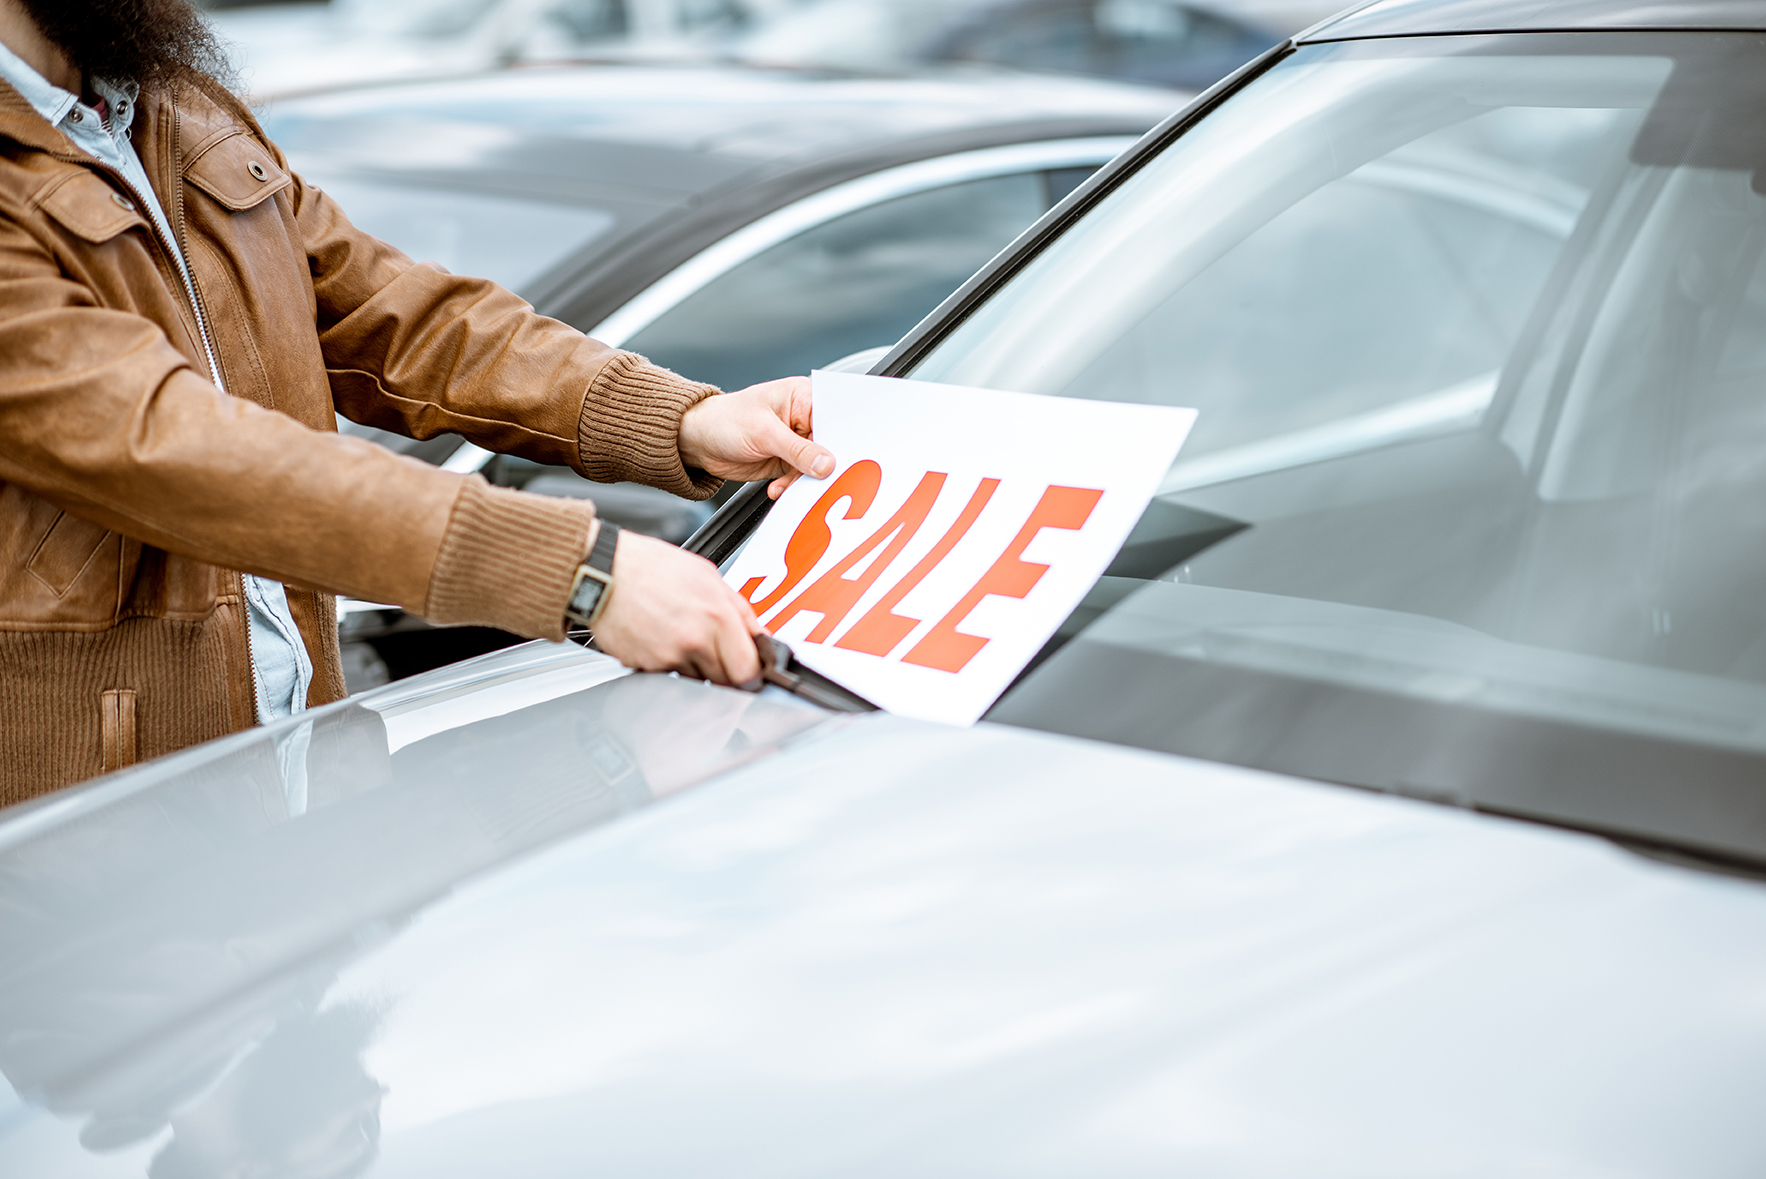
[587, 596]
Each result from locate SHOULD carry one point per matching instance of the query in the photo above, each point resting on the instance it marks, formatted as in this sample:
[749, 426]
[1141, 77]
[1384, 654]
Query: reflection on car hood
[870, 946]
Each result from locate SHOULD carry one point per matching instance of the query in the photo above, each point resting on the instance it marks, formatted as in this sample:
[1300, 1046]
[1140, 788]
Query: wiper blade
[779, 667]
[1167, 535]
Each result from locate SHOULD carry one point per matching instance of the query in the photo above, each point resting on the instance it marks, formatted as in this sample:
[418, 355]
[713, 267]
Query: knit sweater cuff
[507, 560]
[631, 424]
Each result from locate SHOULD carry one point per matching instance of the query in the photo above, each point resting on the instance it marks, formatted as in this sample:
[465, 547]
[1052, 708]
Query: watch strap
[601, 552]
[594, 579]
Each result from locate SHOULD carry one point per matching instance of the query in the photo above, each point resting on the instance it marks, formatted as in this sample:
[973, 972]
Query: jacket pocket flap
[89, 208]
[238, 172]
[65, 551]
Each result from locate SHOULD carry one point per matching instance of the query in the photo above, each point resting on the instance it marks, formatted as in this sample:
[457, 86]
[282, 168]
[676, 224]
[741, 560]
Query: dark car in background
[1184, 46]
[735, 224]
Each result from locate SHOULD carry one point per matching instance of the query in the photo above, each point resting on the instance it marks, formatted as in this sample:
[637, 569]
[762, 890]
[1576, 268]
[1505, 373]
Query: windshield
[1475, 507]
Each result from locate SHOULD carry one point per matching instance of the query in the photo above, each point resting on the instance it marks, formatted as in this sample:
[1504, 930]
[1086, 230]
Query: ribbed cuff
[631, 425]
[507, 560]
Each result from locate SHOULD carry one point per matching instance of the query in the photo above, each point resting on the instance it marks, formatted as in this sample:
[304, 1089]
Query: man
[179, 318]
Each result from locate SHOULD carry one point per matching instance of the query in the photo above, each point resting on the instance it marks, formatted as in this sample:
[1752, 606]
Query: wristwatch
[594, 579]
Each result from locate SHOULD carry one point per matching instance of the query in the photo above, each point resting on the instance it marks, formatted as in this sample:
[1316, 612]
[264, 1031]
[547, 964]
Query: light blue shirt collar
[56, 104]
[45, 97]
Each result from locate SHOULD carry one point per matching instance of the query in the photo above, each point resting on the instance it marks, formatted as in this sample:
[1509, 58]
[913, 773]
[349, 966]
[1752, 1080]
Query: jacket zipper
[176, 255]
[183, 255]
[214, 367]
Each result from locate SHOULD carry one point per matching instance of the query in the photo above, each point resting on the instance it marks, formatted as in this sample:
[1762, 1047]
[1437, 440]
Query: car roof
[1403, 18]
[680, 154]
[671, 132]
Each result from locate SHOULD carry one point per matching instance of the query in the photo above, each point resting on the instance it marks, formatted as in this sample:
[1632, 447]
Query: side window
[856, 282]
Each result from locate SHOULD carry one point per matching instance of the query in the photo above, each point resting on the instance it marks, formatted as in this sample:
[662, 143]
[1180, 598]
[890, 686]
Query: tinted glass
[1146, 40]
[855, 282]
[590, 20]
[1476, 502]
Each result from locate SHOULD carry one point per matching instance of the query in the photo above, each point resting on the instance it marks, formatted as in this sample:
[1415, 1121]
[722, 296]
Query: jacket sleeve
[416, 350]
[101, 416]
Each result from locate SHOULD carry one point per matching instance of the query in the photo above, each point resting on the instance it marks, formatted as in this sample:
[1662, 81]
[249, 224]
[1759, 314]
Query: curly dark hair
[145, 41]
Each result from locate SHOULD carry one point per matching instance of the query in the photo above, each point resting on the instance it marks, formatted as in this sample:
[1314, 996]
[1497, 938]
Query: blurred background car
[283, 48]
[732, 223]
[1159, 42]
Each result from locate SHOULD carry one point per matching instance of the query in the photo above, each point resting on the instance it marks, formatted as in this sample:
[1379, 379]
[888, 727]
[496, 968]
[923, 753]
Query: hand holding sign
[939, 558]
[761, 432]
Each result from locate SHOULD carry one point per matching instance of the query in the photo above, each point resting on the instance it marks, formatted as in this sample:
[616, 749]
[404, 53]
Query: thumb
[809, 457]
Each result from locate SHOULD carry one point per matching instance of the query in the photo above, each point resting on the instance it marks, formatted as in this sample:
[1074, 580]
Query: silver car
[1394, 808]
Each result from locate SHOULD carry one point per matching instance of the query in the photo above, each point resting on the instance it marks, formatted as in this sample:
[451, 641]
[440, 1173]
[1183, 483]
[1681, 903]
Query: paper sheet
[959, 528]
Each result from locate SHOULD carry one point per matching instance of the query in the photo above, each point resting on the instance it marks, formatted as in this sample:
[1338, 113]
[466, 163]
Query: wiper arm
[722, 535]
[1167, 535]
[779, 667]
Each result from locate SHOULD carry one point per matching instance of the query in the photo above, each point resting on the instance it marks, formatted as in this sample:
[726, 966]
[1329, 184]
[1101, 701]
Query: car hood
[443, 931]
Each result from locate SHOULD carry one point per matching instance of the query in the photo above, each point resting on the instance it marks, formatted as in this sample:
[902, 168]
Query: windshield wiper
[716, 540]
[779, 667]
[1167, 535]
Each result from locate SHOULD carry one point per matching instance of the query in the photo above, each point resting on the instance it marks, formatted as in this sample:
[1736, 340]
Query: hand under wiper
[780, 668]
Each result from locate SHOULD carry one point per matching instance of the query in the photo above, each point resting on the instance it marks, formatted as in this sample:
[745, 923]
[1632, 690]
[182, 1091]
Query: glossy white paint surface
[893, 949]
[910, 951]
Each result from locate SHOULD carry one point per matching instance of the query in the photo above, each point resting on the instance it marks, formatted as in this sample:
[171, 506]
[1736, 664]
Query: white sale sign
[959, 528]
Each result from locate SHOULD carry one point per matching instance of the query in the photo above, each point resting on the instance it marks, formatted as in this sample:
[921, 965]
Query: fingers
[671, 611]
[761, 432]
[811, 458]
[738, 659]
[715, 643]
[799, 413]
[723, 652]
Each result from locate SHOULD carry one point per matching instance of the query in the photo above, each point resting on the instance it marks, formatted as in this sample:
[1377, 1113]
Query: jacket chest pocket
[237, 173]
[89, 208]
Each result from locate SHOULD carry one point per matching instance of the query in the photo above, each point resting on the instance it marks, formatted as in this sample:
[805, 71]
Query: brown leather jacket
[133, 492]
